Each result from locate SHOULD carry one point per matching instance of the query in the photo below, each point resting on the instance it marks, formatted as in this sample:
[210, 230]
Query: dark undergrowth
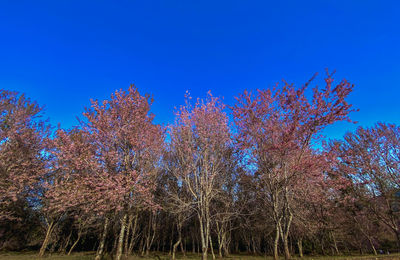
[160, 256]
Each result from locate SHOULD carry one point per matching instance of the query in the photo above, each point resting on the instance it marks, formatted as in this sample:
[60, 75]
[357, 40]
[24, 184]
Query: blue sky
[62, 53]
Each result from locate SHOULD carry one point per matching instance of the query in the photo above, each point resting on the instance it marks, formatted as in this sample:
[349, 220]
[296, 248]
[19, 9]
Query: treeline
[266, 183]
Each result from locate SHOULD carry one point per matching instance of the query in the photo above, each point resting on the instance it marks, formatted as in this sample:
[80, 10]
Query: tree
[23, 160]
[23, 142]
[70, 189]
[279, 127]
[200, 139]
[370, 158]
[177, 199]
[128, 148]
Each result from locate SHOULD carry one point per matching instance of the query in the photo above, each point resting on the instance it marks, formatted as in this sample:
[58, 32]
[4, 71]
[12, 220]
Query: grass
[90, 256]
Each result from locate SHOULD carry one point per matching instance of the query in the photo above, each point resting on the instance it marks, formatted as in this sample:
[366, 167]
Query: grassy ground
[90, 256]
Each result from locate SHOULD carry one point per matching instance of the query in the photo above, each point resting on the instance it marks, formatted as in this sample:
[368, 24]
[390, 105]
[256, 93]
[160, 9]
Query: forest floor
[90, 256]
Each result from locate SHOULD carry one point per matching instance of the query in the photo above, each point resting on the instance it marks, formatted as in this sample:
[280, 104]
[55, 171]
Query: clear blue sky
[62, 53]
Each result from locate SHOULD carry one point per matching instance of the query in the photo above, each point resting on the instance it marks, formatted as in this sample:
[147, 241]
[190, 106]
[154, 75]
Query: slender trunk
[212, 249]
[74, 244]
[300, 246]
[63, 249]
[94, 245]
[53, 245]
[148, 240]
[154, 228]
[322, 246]
[219, 248]
[115, 244]
[170, 241]
[236, 246]
[183, 249]
[100, 250]
[163, 244]
[253, 243]
[286, 247]
[207, 233]
[225, 245]
[372, 245]
[287, 223]
[276, 241]
[121, 238]
[225, 242]
[133, 238]
[277, 220]
[174, 248]
[219, 239]
[291, 246]
[128, 229]
[151, 233]
[141, 246]
[204, 239]
[366, 235]
[50, 229]
[335, 244]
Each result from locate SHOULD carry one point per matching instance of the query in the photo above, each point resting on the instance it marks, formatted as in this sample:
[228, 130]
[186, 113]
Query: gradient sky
[63, 53]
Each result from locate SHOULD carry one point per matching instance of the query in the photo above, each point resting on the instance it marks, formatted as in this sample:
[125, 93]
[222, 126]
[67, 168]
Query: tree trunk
[100, 250]
[252, 245]
[300, 246]
[204, 239]
[121, 238]
[163, 244]
[225, 242]
[183, 248]
[286, 227]
[366, 235]
[63, 249]
[50, 229]
[286, 247]
[170, 241]
[151, 233]
[219, 248]
[236, 246]
[212, 249]
[219, 239]
[53, 245]
[128, 229]
[174, 248]
[276, 241]
[133, 234]
[225, 246]
[141, 246]
[74, 244]
[372, 245]
[335, 244]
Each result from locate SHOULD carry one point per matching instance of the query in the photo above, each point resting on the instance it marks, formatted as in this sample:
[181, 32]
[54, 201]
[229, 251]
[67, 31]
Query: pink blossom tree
[128, 147]
[370, 159]
[23, 142]
[72, 188]
[23, 156]
[279, 127]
